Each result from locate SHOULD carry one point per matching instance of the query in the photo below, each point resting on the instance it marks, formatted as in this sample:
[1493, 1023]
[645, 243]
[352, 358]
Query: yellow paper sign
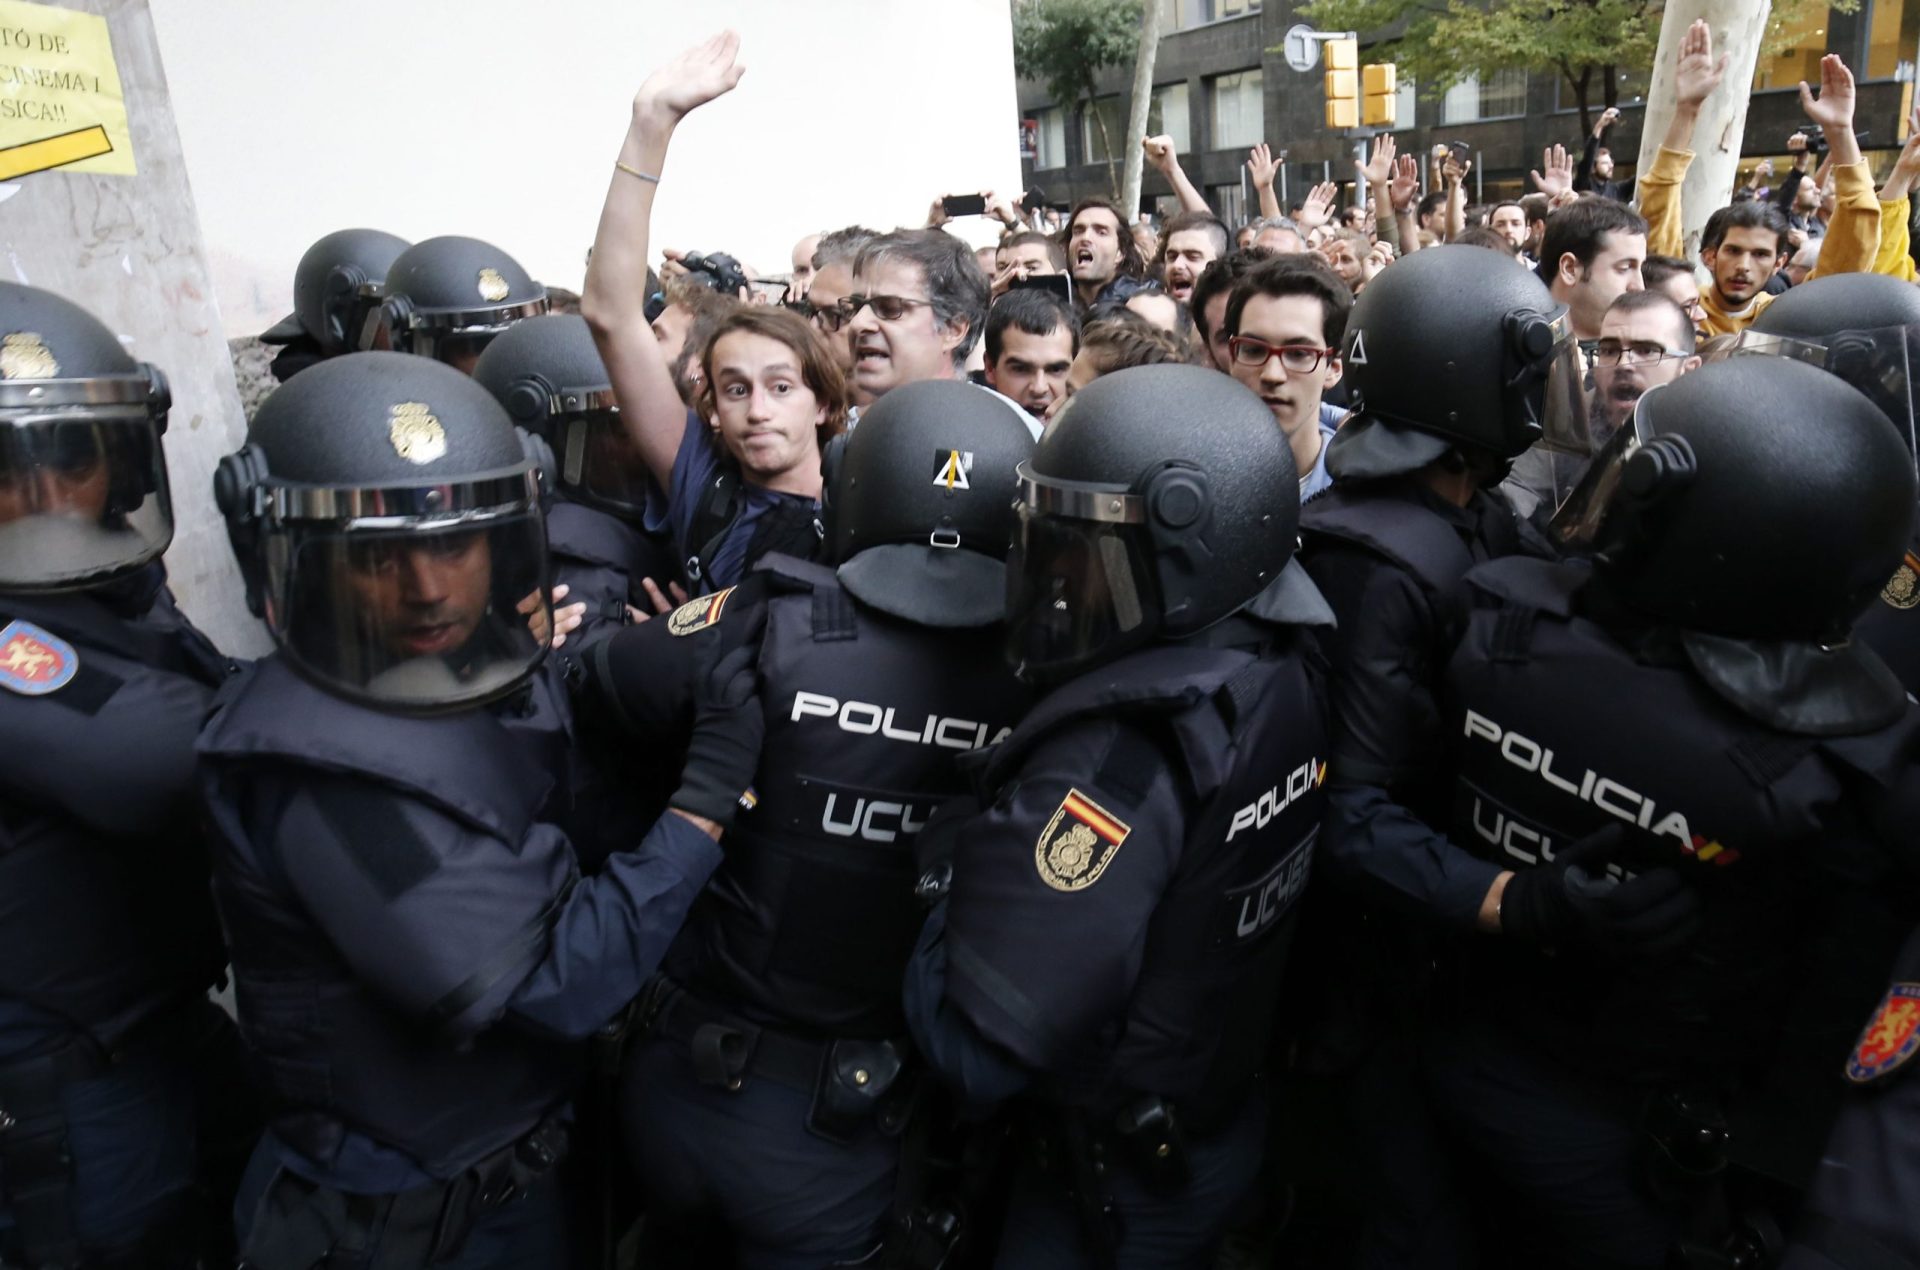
[60, 100]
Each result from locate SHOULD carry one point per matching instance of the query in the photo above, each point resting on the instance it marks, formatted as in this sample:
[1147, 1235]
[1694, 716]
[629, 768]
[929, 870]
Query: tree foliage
[1064, 45]
[1587, 41]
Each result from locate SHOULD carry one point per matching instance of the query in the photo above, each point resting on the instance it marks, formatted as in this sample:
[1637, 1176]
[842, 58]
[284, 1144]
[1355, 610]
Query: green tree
[1445, 41]
[1064, 45]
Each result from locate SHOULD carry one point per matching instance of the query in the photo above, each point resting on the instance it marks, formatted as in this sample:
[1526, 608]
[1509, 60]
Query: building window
[1168, 115]
[1403, 103]
[1178, 15]
[1499, 97]
[1051, 137]
[1629, 89]
[1236, 110]
[1092, 150]
[1229, 203]
[1805, 44]
[1893, 39]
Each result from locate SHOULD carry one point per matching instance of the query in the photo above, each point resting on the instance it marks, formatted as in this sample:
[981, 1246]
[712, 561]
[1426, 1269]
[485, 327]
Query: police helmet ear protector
[1179, 505]
[540, 454]
[1653, 475]
[239, 487]
[344, 284]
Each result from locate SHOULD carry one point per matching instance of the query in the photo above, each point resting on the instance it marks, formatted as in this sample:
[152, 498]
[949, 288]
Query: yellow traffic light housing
[1380, 83]
[1343, 83]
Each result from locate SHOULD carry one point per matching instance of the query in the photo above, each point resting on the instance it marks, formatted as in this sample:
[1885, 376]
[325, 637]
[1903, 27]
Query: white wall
[501, 119]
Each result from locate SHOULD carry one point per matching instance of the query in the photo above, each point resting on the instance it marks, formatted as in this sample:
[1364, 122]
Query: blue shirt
[1316, 479]
[694, 470]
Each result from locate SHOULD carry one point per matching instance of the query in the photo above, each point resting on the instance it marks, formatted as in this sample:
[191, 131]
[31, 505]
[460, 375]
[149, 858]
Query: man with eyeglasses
[1674, 278]
[1284, 324]
[831, 283]
[918, 306]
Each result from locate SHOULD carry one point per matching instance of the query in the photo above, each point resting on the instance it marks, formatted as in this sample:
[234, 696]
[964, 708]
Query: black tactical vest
[1247, 737]
[601, 558]
[1559, 730]
[809, 923]
[334, 1054]
[1891, 624]
[104, 913]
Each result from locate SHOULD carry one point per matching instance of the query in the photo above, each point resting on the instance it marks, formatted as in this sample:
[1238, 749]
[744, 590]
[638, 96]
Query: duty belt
[854, 1082]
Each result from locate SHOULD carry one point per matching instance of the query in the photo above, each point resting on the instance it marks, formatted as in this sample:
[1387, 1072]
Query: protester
[1032, 339]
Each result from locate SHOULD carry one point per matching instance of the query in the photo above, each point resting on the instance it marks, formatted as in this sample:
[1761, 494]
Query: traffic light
[1379, 84]
[1343, 83]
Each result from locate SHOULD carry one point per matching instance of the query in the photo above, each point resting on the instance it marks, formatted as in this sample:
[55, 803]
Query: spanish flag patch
[698, 615]
[1078, 843]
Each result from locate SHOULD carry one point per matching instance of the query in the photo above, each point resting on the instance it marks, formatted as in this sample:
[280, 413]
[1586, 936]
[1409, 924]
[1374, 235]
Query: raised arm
[614, 299]
[1853, 236]
[1165, 161]
[1261, 170]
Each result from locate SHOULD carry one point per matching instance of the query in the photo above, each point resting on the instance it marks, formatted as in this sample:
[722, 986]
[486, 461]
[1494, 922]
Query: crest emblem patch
[1891, 1037]
[493, 288]
[1078, 844]
[23, 355]
[1903, 588]
[698, 614]
[35, 662]
[416, 435]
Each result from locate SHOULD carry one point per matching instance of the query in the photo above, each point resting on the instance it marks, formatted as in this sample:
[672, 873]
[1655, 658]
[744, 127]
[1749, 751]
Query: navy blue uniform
[108, 941]
[769, 1098]
[1110, 949]
[1547, 1062]
[416, 959]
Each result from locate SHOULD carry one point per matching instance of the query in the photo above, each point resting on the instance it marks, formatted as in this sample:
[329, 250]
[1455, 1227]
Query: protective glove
[1572, 903]
[729, 728]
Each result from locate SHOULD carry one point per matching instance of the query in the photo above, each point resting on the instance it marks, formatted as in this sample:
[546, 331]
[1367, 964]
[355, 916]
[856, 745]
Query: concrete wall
[501, 119]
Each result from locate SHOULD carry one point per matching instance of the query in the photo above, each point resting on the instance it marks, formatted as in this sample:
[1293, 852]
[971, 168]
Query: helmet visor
[1571, 418]
[426, 616]
[599, 464]
[1582, 493]
[82, 498]
[1078, 587]
[1877, 362]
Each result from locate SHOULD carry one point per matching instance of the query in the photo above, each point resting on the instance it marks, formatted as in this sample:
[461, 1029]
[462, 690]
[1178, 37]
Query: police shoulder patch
[699, 614]
[1902, 590]
[1078, 844]
[1892, 1036]
[33, 661]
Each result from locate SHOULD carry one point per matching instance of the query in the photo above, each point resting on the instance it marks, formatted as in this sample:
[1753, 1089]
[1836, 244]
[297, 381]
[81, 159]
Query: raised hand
[1001, 208]
[1454, 171]
[937, 213]
[1834, 109]
[1699, 73]
[1262, 168]
[707, 70]
[1406, 182]
[1608, 117]
[1317, 210]
[1160, 153]
[1559, 171]
[1378, 170]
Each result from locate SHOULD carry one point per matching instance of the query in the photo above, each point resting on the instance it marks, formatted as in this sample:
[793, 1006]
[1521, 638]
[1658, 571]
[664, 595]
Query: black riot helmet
[386, 516]
[1764, 500]
[83, 479]
[445, 298]
[332, 288]
[548, 374]
[1863, 327]
[1160, 500]
[919, 502]
[1445, 351]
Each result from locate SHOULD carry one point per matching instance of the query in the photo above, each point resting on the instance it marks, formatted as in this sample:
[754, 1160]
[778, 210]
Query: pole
[1738, 29]
[1143, 62]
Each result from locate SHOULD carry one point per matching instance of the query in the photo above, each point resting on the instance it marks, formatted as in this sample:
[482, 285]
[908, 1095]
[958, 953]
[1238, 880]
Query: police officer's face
[911, 346]
[764, 410]
[1032, 369]
[1189, 252]
[67, 478]
[1649, 340]
[1282, 321]
[421, 597]
[1093, 247]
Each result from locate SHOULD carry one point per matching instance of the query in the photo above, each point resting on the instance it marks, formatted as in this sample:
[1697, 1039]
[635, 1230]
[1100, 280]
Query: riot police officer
[108, 940]
[549, 376]
[1451, 367]
[1120, 907]
[332, 287]
[768, 1098]
[415, 952]
[1865, 328]
[1679, 763]
[446, 298]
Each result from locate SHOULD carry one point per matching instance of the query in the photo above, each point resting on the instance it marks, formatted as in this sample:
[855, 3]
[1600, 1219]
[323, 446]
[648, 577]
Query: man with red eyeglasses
[1284, 324]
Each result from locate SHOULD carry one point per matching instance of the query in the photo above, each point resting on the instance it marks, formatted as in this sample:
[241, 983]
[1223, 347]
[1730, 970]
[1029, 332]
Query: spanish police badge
[1891, 1037]
[24, 355]
[35, 662]
[697, 615]
[1903, 588]
[492, 287]
[416, 435]
[1078, 843]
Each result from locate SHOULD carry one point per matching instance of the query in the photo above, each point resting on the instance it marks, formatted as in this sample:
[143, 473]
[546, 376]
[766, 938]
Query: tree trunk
[1579, 85]
[1610, 92]
[1142, 103]
[1106, 144]
[1739, 27]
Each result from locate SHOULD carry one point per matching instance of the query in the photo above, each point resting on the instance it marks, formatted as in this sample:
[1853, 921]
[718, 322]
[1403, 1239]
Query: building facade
[1221, 86]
